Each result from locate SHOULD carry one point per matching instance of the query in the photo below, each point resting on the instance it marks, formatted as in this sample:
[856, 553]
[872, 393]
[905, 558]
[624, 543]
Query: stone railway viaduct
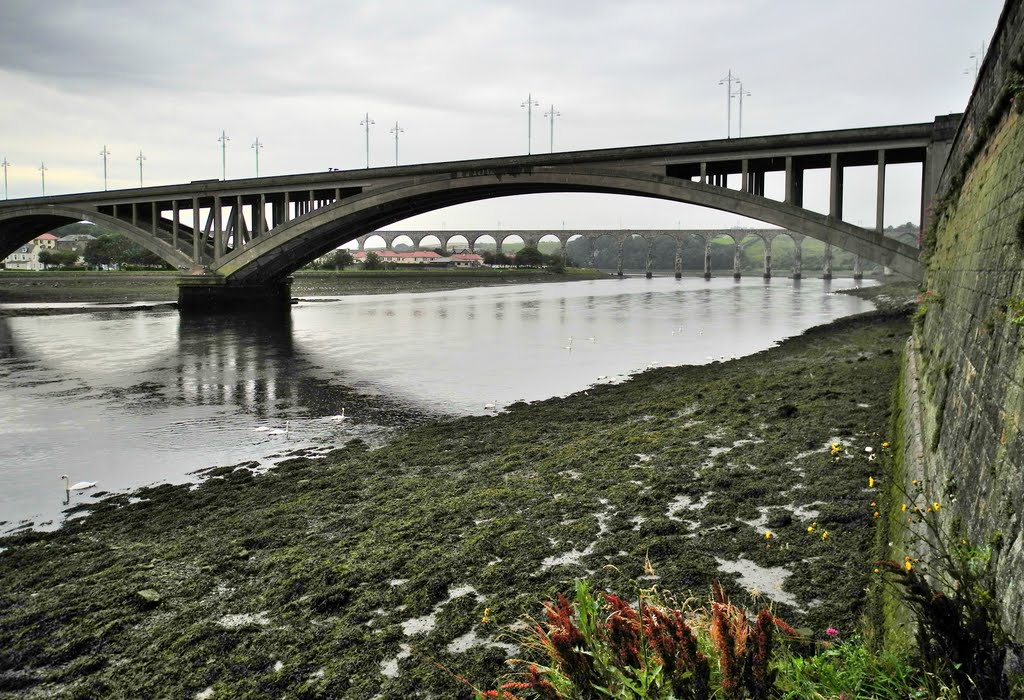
[237, 241]
[705, 236]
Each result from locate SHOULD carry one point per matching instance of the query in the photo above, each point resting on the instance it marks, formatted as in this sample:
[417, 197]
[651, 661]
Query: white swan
[79, 486]
[490, 406]
[261, 429]
[340, 416]
[279, 431]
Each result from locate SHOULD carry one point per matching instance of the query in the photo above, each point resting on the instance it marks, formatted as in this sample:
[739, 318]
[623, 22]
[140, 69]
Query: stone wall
[965, 368]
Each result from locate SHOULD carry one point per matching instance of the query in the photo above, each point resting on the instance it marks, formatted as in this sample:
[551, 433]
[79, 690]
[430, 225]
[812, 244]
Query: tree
[556, 264]
[529, 257]
[501, 259]
[47, 258]
[339, 260]
[373, 262]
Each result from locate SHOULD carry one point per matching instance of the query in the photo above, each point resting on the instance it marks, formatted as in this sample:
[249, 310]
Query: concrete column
[768, 259]
[798, 259]
[260, 221]
[736, 260]
[197, 233]
[564, 254]
[679, 259]
[444, 243]
[880, 193]
[789, 180]
[835, 206]
[218, 236]
[174, 224]
[618, 260]
[497, 246]
[745, 175]
[285, 210]
[826, 272]
[703, 173]
[707, 259]
[858, 268]
[650, 250]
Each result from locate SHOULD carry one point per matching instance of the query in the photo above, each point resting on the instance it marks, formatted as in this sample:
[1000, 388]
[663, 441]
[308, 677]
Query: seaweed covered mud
[386, 572]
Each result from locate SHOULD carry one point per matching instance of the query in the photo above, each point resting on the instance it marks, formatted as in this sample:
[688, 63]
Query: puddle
[243, 619]
[765, 580]
[686, 503]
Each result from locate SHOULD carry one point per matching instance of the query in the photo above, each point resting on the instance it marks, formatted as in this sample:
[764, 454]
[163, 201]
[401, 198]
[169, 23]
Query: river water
[128, 397]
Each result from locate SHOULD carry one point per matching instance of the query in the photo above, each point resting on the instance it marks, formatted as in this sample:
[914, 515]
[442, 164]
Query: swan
[340, 416]
[592, 339]
[279, 431]
[79, 486]
[261, 429]
[490, 406]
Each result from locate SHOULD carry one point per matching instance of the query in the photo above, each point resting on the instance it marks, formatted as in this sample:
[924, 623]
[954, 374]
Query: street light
[104, 153]
[530, 103]
[5, 166]
[396, 131]
[140, 158]
[740, 92]
[42, 173]
[256, 146]
[224, 138]
[728, 80]
[977, 57]
[551, 114]
[366, 122]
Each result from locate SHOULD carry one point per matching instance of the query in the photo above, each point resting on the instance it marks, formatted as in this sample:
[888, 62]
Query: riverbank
[125, 287]
[356, 574]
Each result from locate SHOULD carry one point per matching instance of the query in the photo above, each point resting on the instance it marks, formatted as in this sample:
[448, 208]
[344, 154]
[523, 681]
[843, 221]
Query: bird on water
[78, 486]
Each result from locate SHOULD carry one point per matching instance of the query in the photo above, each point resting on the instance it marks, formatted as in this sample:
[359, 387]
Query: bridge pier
[204, 294]
[826, 273]
[618, 260]
[736, 256]
[858, 268]
[768, 259]
[647, 272]
[798, 258]
[679, 259]
[707, 260]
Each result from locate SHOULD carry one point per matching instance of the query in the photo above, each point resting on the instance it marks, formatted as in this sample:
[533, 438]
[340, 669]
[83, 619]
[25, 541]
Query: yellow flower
[871, 482]
[824, 535]
[935, 506]
[873, 504]
[885, 444]
[767, 534]
[876, 513]
[486, 618]
[908, 566]
[904, 507]
[810, 528]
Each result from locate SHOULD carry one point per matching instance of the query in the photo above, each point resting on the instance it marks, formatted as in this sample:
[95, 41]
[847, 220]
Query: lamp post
[977, 57]
[42, 173]
[551, 114]
[256, 146]
[5, 165]
[396, 130]
[530, 103]
[740, 92]
[140, 158]
[224, 138]
[104, 153]
[366, 122]
[728, 80]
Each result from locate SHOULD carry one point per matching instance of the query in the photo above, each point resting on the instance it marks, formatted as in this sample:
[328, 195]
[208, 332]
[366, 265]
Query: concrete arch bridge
[237, 241]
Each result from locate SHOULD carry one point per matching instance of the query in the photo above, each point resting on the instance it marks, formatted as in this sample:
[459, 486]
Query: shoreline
[333, 564]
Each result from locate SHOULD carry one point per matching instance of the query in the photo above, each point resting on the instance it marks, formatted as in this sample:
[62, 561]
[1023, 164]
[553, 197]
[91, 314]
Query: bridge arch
[290, 245]
[21, 224]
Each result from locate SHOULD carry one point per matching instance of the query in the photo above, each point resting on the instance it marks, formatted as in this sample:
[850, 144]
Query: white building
[27, 256]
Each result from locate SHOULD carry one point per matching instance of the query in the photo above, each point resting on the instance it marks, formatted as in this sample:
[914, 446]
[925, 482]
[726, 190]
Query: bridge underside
[307, 237]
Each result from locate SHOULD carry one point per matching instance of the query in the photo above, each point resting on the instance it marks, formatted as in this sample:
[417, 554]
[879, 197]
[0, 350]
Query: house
[411, 257]
[26, 257]
[467, 260]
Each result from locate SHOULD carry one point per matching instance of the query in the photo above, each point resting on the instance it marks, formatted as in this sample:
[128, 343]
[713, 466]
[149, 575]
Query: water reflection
[129, 398]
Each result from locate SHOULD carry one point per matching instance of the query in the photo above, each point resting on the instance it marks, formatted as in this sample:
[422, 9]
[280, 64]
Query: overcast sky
[168, 77]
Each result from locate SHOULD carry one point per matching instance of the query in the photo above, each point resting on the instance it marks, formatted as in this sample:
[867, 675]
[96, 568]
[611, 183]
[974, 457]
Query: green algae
[303, 582]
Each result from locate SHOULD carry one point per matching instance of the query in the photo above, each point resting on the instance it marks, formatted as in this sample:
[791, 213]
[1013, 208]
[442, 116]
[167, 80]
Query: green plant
[848, 669]
[952, 600]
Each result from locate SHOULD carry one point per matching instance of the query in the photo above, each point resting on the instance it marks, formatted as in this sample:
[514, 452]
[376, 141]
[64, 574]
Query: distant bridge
[532, 237]
[236, 241]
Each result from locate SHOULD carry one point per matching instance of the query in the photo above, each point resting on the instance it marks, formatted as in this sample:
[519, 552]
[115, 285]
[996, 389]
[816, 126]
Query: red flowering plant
[601, 646]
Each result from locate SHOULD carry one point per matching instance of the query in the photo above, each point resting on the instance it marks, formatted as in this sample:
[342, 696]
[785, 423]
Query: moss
[318, 564]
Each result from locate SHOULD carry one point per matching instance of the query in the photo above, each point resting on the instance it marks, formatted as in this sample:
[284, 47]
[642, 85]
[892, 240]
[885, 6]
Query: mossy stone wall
[965, 365]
